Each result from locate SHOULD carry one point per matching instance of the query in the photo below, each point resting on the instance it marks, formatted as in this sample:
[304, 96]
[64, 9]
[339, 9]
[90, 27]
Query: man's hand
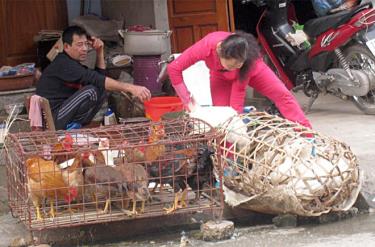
[140, 92]
[97, 44]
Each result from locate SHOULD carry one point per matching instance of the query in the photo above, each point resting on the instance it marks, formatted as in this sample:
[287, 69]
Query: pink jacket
[226, 88]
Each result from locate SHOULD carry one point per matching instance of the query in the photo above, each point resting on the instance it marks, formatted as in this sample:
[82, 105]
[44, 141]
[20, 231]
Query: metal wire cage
[122, 172]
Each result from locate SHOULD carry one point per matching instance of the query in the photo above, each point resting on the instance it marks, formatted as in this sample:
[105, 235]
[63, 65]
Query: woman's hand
[192, 105]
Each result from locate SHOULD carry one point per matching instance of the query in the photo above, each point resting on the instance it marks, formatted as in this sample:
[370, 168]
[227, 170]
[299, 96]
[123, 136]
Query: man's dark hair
[67, 36]
[243, 47]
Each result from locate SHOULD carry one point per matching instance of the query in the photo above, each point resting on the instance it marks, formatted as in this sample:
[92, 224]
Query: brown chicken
[45, 181]
[73, 175]
[102, 180]
[148, 153]
[155, 151]
[137, 181]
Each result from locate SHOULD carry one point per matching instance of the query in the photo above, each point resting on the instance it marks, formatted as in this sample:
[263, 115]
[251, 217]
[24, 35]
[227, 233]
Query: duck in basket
[275, 166]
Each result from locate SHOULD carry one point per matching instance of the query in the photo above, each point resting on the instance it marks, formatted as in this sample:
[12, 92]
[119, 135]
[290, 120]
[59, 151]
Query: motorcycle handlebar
[258, 3]
[261, 3]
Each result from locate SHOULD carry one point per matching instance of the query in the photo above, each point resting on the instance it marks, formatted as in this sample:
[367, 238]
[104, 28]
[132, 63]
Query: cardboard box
[55, 50]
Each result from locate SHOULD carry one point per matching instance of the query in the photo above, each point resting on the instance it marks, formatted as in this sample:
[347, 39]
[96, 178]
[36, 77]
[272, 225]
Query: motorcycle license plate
[371, 45]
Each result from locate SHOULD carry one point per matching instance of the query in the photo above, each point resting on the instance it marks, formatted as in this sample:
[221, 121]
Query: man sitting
[75, 92]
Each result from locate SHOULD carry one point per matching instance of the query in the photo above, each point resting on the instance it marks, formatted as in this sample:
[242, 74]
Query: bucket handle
[167, 34]
[121, 33]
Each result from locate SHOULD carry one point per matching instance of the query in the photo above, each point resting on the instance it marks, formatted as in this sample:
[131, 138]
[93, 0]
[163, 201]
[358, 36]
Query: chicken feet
[134, 209]
[52, 212]
[178, 202]
[183, 198]
[38, 214]
[143, 207]
[105, 210]
[106, 206]
[175, 204]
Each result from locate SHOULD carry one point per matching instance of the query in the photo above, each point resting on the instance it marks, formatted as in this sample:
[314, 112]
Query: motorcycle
[336, 56]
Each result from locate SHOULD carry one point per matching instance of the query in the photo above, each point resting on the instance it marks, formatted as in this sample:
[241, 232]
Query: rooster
[62, 147]
[203, 174]
[188, 168]
[45, 181]
[137, 181]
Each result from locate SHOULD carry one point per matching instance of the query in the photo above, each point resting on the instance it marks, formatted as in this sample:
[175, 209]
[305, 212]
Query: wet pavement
[357, 231]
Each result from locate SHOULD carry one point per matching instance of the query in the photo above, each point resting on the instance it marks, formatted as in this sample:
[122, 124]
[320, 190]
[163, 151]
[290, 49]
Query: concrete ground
[329, 115]
[358, 231]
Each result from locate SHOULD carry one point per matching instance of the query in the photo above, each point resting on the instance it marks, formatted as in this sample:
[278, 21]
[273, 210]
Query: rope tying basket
[275, 166]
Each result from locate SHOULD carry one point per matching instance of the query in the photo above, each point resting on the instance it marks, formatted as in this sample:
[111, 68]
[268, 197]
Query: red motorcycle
[337, 56]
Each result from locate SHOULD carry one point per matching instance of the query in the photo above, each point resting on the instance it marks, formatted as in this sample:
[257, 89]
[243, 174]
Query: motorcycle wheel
[361, 58]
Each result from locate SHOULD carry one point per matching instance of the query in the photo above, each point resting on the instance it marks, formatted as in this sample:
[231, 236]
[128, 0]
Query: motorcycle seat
[315, 27]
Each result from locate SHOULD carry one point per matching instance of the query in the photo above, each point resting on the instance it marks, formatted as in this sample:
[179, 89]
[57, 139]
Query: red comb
[68, 142]
[85, 155]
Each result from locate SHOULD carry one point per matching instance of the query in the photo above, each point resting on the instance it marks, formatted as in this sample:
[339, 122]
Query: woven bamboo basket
[275, 166]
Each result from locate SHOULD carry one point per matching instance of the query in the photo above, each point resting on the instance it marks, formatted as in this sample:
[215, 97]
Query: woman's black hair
[243, 47]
